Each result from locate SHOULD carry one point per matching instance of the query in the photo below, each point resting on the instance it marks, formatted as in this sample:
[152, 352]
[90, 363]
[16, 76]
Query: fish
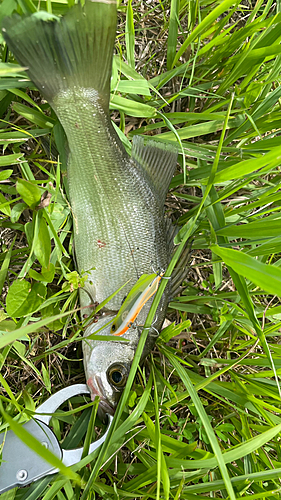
[117, 200]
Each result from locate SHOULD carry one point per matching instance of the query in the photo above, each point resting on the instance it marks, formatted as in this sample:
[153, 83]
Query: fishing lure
[142, 291]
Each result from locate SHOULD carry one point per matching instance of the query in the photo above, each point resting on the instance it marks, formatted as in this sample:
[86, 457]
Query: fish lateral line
[126, 317]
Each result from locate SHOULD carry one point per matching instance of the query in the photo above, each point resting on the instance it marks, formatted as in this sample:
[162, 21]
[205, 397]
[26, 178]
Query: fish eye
[113, 327]
[117, 375]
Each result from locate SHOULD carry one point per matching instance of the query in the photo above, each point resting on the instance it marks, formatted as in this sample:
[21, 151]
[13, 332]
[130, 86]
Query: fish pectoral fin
[159, 161]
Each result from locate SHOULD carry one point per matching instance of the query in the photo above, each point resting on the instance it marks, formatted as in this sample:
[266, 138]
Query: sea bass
[117, 201]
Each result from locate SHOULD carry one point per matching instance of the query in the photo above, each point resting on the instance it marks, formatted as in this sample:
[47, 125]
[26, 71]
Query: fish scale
[117, 201]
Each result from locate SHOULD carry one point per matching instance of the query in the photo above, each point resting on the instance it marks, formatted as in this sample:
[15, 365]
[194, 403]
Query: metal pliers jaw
[21, 465]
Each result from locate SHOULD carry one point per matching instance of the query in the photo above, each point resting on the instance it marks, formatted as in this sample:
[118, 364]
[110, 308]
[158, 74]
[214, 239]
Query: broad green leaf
[173, 33]
[6, 8]
[266, 228]
[245, 167]
[271, 245]
[15, 82]
[34, 116]
[127, 70]
[5, 174]
[24, 298]
[17, 210]
[6, 160]
[266, 276]
[105, 338]
[5, 265]
[29, 231]
[30, 192]
[6, 69]
[26, 97]
[42, 244]
[252, 93]
[47, 274]
[20, 136]
[7, 337]
[132, 108]
[133, 87]
[200, 129]
[4, 205]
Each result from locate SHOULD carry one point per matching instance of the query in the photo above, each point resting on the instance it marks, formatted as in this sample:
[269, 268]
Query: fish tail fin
[70, 52]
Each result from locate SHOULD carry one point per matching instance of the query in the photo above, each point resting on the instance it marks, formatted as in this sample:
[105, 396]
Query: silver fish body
[119, 228]
[117, 201]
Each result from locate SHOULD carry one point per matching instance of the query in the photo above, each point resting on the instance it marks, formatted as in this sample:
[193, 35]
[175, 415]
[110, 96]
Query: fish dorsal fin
[159, 162]
[181, 270]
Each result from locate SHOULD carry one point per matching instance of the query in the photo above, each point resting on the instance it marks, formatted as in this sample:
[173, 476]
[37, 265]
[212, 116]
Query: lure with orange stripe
[141, 292]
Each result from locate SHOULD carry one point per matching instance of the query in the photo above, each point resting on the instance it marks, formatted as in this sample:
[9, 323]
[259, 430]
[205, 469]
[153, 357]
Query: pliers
[20, 465]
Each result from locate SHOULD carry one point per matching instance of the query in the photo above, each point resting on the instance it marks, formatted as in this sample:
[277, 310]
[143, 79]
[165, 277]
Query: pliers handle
[20, 465]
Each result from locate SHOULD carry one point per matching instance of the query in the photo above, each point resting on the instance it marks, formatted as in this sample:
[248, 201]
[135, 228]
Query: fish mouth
[95, 385]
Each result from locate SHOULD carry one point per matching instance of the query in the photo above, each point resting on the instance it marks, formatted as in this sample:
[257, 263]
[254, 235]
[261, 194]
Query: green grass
[202, 417]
